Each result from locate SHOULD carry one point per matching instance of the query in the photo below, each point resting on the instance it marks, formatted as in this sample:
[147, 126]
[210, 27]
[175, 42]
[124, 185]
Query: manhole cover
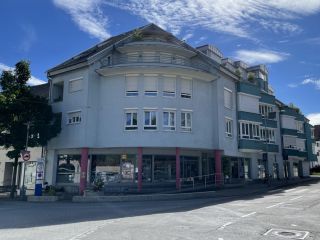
[289, 234]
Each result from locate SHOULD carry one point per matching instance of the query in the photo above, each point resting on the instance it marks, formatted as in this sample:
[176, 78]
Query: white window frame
[249, 130]
[171, 116]
[268, 135]
[150, 126]
[186, 128]
[265, 109]
[224, 98]
[229, 127]
[131, 126]
[74, 117]
[299, 126]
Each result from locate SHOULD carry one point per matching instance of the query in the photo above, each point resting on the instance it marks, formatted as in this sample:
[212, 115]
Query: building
[144, 108]
[317, 146]
[24, 168]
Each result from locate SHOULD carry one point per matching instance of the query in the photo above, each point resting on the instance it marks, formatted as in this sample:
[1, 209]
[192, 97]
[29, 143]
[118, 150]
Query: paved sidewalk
[242, 190]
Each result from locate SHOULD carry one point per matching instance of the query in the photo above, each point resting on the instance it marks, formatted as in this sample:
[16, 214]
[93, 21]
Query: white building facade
[144, 109]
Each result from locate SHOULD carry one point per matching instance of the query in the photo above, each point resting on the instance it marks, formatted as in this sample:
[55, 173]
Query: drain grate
[288, 234]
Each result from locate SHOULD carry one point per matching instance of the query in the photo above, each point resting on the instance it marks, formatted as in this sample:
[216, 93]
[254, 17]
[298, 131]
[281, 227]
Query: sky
[283, 34]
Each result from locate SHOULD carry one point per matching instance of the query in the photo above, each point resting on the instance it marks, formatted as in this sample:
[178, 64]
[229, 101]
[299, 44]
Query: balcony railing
[155, 59]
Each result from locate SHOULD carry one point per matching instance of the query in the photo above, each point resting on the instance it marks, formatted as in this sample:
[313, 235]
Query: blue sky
[283, 34]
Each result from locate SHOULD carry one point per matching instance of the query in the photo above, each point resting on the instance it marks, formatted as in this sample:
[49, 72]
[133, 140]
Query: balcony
[295, 152]
[162, 59]
[246, 145]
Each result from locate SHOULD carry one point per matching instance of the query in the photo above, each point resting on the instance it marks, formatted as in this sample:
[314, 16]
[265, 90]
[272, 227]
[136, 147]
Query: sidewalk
[244, 190]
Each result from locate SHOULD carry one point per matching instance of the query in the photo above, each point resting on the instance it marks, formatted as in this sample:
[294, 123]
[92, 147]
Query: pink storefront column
[139, 169]
[84, 169]
[218, 167]
[178, 182]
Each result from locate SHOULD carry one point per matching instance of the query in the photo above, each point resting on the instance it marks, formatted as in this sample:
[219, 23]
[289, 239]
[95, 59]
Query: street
[293, 213]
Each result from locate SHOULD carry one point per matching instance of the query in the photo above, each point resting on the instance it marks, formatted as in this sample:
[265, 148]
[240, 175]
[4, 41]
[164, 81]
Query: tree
[18, 107]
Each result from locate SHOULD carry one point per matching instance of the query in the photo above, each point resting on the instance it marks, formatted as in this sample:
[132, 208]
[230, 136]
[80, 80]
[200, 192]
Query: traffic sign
[25, 155]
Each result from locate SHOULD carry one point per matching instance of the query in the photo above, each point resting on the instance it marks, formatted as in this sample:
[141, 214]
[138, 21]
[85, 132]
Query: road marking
[292, 199]
[314, 191]
[220, 238]
[225, 225]
[301, 191]
[275, 205]
[268, 232]
[249, 214]
[289, 190]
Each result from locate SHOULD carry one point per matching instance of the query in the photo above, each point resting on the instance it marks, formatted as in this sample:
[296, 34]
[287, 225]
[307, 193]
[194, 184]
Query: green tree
[18, 108]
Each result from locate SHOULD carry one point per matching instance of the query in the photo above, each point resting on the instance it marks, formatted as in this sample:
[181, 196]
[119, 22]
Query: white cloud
[292, 85]
[227, 16]
[260, 56]
[87, 14]
[32, 81]
[187, 36]
[29, 37]
[312, 81]
[314, 118]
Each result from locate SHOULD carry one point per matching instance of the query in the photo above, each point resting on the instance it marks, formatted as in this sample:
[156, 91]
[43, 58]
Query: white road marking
[247, 215]
[275, 205]
[224, 225]
[314, 191]
[220, 238]
[268, 232]
[289, 190]
[292, 199]
[301, 191]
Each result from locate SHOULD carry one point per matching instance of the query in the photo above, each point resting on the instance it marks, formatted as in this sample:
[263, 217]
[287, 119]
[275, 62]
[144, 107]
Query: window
[299, 127]
[301, 144]
[169, 120]
[267, 135]
[131, 120]
[169, 86]
[150, 85]
[74, 117]
[150, 120]
[290, 142]
[132, 85]
[186, 121]
[75, 85]
[109, 60]
[265, 110]
[227, 98]
[57, 92]
[186, 88]
[249, 130]
[228, 127]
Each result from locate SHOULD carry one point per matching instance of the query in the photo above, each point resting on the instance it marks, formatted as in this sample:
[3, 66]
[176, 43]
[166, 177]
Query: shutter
[169, 84]
[227, 98]
[75, 85]
[186, 86]
[150, 83]
[132, 83]
[289, 142]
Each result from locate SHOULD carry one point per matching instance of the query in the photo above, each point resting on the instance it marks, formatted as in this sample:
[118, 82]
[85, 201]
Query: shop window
[68, 170]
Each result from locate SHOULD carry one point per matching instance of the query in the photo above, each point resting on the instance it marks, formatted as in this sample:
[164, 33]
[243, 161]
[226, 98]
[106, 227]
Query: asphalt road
[294, 213]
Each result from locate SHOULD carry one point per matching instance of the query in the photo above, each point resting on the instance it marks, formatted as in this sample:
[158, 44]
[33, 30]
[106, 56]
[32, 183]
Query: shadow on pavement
[20, 214]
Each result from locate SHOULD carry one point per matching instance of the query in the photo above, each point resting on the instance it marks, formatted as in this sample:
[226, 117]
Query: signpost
[39, 177]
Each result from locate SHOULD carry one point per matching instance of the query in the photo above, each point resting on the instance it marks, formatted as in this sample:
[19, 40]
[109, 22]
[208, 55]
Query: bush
[315, 169]
[98, 184]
